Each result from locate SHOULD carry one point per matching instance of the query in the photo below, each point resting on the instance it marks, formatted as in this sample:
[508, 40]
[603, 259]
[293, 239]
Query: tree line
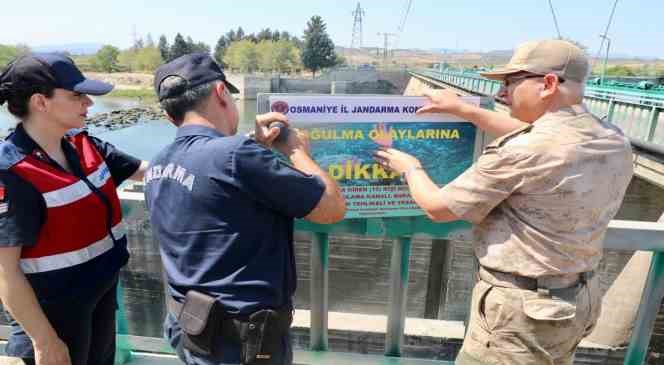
[267, 51]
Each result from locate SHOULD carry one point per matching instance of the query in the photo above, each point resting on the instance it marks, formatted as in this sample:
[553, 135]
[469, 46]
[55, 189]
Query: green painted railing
[621, 235]
[401, 230]
[637, 113]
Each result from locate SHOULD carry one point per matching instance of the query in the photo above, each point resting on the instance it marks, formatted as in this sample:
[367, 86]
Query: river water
[360, 285]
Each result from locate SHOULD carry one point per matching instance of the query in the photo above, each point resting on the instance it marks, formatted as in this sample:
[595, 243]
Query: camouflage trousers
[524, 327]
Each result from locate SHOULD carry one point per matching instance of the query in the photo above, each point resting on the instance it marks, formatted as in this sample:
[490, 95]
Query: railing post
[398, 294]
[122, 346]
[319, 291]
[612, 107]
[652, 123]
[645, 318]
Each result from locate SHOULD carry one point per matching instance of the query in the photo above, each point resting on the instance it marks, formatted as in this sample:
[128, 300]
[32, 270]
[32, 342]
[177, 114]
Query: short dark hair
[18, 100]
[190, 99]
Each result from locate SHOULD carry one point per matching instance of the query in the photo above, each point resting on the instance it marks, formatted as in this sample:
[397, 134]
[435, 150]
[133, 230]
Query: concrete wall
[250, 85]
[339, 82]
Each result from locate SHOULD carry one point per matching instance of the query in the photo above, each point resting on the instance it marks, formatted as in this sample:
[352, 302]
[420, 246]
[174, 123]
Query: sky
[480, 25]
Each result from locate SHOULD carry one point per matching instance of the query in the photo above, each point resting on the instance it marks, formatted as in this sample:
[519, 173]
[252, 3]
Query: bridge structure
[637, 110]
[399, 335]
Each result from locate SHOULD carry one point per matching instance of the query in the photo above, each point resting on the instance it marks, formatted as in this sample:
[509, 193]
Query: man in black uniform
[222, 207]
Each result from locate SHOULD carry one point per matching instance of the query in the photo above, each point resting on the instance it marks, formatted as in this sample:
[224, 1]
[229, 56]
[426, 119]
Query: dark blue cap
[195, 68]
[48, 69]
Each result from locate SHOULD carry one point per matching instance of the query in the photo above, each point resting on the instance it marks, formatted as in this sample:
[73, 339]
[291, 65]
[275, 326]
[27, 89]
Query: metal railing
[621, 235]
[638, 114]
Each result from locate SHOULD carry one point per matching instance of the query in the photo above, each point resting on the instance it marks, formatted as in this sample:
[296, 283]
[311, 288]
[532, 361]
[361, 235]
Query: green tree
[179, 48]
[285, 36]
[220, 49]
[318, 52]
[239, 34]
[190, 44]
[138, 43]
[106, 59]
[242, 56]
[230, 36]
[164, 48]
[265, 56]
[286, 56]
[149, 42]
[620, 70]
[146, 59]
[264, 35]
[9, 53]
[200, 47]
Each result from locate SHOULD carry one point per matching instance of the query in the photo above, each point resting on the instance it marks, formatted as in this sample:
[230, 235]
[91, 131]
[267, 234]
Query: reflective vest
[83, 216]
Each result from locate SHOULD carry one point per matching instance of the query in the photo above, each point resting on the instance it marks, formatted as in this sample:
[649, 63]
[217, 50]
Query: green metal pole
[652, 123]
[612, 108]
[319, 291]
[645, 318]
[122, 346]
[398, 294]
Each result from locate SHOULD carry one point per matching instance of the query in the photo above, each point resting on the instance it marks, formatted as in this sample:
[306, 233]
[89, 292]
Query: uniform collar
[23, 142]
[197, 130]
[28, 147]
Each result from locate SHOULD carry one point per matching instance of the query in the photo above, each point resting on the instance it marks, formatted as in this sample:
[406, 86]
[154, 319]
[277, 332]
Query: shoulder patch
[9, 155]
[4, 204]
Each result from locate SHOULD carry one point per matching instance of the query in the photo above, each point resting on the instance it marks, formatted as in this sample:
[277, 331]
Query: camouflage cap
[554, 56]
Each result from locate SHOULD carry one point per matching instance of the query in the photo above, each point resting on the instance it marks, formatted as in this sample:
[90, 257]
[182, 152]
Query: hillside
[469, 59]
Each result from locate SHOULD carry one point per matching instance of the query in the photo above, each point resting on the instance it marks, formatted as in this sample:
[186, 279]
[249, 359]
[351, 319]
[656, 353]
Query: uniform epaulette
[9, 155]
[508, 137]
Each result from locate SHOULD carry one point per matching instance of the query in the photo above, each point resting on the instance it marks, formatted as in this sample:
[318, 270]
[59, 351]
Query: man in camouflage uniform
[541, 197]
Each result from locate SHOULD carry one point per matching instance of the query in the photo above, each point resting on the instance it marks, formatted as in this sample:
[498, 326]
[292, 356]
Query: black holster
[260, 336]
[202, 320]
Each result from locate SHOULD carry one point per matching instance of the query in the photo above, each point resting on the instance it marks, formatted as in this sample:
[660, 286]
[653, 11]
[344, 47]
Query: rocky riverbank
[117, 119]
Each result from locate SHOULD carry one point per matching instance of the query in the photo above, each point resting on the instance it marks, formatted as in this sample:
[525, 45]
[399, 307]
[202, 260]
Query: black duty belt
[508, 280]
[231, 324]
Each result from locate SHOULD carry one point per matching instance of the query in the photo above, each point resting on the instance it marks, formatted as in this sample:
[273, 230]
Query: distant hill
[460, 58]
[78, 49]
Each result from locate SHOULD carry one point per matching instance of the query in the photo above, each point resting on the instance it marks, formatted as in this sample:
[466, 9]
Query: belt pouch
[200, 320]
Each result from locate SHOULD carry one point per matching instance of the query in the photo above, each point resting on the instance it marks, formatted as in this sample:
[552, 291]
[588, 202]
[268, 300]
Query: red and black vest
[83, 217]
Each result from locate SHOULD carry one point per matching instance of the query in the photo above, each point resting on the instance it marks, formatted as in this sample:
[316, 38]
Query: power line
[386, 43]
[405, 16]
[606, 32]
[356, 40]
[402, 24]
[555, 20]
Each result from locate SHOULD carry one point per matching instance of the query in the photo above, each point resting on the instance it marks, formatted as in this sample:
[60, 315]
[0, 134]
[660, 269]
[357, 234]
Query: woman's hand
[395, 160]
[52, 351]
[383, 135]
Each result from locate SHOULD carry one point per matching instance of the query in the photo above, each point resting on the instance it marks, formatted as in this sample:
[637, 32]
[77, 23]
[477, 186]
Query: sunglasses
[515, 79]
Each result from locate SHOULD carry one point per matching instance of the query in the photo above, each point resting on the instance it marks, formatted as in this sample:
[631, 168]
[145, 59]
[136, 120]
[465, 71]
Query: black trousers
[85, 323]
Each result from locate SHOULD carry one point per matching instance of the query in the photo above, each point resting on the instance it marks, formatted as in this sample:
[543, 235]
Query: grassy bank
[134, 93]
